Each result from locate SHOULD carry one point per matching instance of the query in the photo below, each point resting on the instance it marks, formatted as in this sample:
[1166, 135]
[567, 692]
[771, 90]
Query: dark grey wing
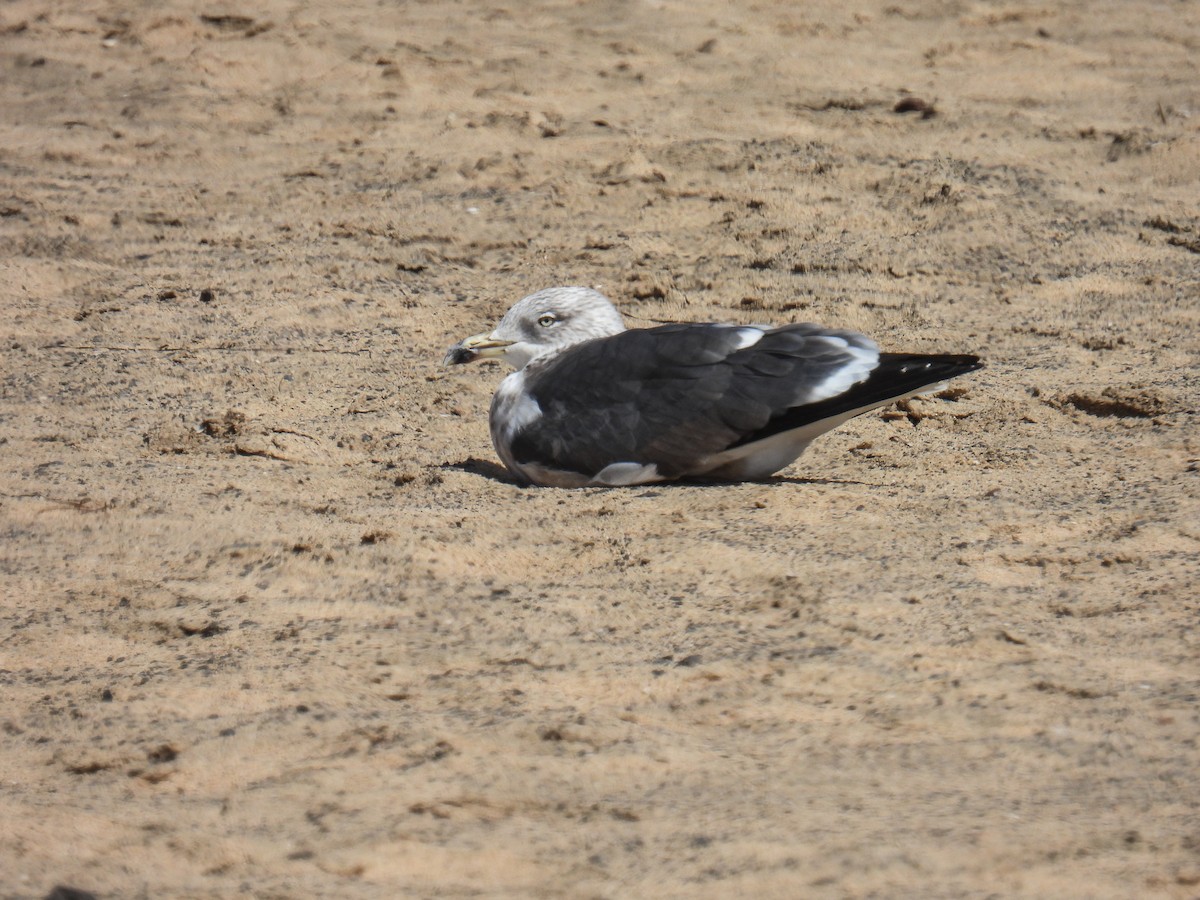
[676, 394]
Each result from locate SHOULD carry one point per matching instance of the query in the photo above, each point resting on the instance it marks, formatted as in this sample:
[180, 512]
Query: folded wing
[677, 396]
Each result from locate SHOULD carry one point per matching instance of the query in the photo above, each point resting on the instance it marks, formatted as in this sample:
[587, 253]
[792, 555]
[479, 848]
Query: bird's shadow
[498, 473]
[484, 468]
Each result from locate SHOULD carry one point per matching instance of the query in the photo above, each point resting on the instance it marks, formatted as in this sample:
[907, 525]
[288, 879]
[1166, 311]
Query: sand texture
[276, 624]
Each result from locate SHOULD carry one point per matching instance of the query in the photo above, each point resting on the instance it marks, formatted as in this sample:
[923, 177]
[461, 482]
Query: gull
[592, 403]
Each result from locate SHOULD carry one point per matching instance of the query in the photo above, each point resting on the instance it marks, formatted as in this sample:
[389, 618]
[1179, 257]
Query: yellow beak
[478, 346]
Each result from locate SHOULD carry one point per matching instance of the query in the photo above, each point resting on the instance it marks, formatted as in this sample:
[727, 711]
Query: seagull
[592, 403]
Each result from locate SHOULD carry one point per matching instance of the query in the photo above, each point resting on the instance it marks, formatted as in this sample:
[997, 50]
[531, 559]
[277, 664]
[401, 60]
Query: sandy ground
[276, 624]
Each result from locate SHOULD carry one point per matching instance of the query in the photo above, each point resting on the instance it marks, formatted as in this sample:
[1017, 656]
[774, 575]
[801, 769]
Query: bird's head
[540, 325]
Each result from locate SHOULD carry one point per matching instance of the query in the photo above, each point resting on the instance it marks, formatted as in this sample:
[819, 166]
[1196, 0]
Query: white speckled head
[542, 324]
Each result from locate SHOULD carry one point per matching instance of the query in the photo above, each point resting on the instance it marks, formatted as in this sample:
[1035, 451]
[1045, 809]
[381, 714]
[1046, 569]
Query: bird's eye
[547, 319]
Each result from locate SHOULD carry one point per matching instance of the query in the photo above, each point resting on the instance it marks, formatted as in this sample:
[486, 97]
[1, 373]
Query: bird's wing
[675, 395]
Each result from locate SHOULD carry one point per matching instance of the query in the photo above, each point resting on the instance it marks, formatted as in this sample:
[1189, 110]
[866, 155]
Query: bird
[593, 403]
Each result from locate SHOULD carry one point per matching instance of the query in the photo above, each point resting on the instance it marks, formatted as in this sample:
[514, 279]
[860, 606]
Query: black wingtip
[898, 375]
[905, 374]
[909, 367]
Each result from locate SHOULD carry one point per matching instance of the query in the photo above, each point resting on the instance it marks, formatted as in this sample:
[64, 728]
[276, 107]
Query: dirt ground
[275, 622]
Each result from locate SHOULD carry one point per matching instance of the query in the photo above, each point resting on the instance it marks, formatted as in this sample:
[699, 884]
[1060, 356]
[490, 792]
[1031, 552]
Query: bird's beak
[478, 346]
